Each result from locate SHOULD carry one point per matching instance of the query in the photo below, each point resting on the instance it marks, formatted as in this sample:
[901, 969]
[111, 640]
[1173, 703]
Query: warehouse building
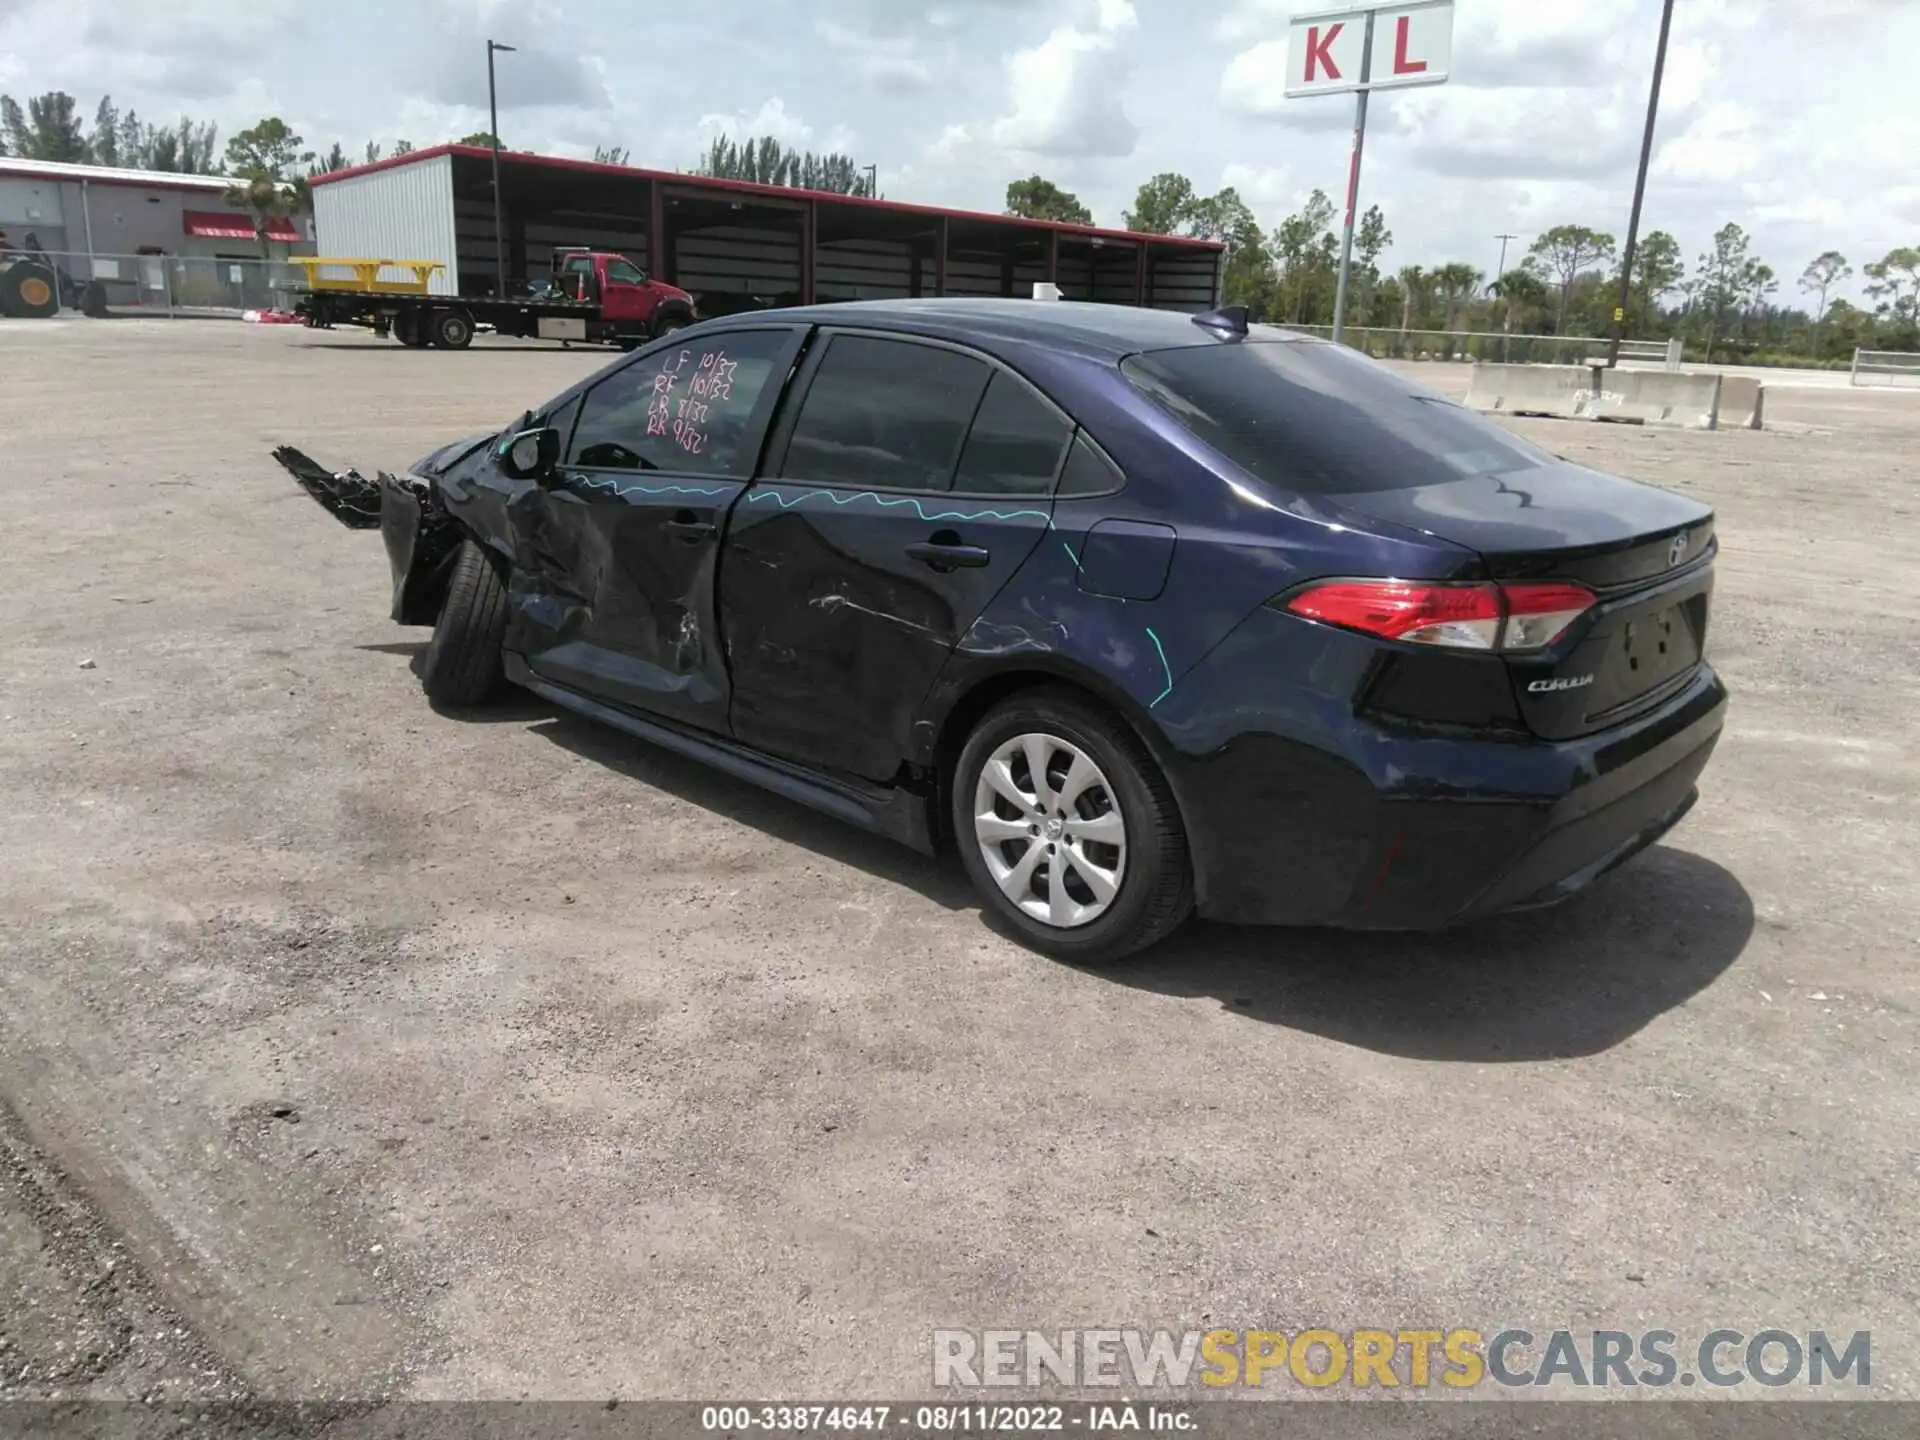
[733, 245]
[83, 210]
[155, 241]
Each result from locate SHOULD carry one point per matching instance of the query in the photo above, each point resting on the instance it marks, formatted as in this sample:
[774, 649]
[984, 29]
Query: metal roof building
[82, 211]
[734, 245]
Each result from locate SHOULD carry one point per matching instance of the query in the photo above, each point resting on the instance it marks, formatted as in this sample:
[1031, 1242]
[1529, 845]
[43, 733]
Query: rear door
[620, 546]
[908, 484]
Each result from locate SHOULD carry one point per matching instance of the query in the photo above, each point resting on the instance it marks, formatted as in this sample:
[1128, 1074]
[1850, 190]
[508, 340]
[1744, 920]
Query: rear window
[1320, 418]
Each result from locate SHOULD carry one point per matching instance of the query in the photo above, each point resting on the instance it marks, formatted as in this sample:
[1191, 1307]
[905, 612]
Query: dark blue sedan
[1141, 613]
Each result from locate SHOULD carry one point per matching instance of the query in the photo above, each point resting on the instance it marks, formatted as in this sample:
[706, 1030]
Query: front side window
[885, 414]
[687, 408]
[626, 272]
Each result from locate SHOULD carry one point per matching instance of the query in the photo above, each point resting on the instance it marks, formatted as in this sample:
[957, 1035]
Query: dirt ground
[349, 1050]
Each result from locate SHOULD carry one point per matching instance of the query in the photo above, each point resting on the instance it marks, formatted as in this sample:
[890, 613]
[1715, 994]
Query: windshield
[1319, 418]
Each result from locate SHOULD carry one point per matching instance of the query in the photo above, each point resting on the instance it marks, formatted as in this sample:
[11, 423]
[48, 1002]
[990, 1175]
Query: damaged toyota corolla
[1139, 612]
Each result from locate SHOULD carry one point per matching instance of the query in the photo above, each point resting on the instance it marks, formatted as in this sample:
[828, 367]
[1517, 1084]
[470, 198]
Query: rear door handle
[949, 557]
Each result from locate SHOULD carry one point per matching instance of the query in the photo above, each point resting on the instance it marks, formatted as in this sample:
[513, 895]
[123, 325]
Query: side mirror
[529, 454]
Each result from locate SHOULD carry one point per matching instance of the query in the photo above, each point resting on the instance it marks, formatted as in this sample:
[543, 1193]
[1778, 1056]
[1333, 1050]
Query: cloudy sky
[1798, 118]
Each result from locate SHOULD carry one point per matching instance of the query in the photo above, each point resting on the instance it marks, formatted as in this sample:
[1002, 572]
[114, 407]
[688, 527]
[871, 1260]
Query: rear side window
[687, 408]
[1319, 418]
[886, 415]
[1015, 444]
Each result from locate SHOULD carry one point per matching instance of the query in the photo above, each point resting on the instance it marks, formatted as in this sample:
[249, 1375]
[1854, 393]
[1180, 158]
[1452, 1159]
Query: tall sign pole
[1334, 53]
[1353, 184]
[1640, 188]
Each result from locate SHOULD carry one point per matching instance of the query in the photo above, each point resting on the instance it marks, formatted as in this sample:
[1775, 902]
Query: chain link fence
[222, 285]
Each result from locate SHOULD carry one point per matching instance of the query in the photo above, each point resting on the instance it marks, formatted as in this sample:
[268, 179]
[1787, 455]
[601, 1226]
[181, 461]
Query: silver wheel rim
[1050, 830]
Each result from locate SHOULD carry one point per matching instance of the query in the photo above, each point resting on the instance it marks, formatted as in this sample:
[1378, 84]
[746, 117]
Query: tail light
[1506, 618]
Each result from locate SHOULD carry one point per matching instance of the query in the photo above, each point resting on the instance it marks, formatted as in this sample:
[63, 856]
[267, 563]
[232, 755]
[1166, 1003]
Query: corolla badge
[1678, 552]
[1547, 687]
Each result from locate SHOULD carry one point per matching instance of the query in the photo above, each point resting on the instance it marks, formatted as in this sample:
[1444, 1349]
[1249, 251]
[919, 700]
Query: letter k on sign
[1320, 51]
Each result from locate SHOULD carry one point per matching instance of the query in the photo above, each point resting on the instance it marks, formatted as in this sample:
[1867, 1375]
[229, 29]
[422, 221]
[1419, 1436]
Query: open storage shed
[733, 245]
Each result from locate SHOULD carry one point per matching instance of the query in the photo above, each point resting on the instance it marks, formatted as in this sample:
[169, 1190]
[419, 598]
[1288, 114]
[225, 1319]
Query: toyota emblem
[1679, 550]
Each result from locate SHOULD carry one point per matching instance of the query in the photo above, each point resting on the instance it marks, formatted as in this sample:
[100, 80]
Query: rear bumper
[1373, 829]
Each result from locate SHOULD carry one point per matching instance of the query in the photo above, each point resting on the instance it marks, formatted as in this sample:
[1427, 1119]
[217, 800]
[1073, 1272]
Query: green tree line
[1567, 281]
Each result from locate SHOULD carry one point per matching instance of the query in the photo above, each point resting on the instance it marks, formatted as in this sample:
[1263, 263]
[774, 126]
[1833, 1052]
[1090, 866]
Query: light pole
[873, 182]
[1501, 273]
[493, 133]
[1506, 300]
[1640, 188]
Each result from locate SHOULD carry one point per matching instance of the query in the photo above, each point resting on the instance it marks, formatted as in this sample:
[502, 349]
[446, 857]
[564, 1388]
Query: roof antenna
[1228, 321]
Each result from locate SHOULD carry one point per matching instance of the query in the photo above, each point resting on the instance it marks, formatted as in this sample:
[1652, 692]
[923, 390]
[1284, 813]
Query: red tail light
[1461, 617]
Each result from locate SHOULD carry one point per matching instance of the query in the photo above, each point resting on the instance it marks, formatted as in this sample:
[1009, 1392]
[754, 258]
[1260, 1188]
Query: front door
[618, 549]
[914, 481]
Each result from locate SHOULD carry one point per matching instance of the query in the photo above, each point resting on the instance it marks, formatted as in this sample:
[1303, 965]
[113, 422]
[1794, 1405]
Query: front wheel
[462, 665]
[1069, 831]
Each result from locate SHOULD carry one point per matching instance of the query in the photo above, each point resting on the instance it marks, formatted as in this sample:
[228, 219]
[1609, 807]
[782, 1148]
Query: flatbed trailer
[593, 298]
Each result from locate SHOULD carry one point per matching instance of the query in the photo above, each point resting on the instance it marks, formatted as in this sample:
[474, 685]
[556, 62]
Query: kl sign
[1412, 45]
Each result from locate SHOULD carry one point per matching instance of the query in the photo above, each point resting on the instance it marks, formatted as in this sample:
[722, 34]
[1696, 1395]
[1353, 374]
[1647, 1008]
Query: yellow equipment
[366, 274]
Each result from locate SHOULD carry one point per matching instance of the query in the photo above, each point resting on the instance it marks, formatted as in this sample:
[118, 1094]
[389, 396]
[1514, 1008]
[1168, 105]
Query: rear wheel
[410, 329]
[1069, 831]
[450, 329]
[462, 665]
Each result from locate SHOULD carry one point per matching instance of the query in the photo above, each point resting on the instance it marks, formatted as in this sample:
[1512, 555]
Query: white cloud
[1068, 92]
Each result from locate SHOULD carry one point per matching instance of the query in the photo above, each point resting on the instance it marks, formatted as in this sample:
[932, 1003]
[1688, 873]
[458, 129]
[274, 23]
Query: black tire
[409, 329]
[450, 329]
[29, 291]
[462, 664]
[667, 324]
[1156, 886]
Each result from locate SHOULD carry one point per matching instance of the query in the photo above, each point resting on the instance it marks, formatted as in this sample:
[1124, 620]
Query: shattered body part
[347, 495]
[420, 535]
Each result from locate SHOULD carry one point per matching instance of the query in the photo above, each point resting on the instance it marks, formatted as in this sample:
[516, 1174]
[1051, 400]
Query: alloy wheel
[1050, 830]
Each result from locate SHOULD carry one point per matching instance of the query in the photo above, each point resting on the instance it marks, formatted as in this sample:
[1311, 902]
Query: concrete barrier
[1656, 397]
[1593, 392]
[1561, 392]
[1743, 403]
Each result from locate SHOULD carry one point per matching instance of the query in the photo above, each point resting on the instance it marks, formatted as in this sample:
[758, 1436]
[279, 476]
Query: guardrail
[1896, 367]
[1385, 343]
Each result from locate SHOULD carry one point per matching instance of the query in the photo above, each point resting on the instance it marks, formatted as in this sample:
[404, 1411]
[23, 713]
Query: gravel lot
[349, 1050]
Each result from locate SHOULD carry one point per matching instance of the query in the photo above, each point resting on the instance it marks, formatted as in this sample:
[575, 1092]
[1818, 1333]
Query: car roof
[1108, 332]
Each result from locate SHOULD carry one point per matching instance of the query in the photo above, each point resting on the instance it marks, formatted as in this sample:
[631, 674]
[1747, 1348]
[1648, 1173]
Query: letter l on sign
[1402, 65]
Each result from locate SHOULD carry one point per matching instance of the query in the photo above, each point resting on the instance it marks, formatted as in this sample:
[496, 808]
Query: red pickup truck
[594, 297]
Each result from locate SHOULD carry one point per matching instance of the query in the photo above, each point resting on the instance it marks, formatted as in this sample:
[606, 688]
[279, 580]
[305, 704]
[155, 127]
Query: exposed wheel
[29, 291]
[462, 665]
[450, 329]
[668, 324]
[1069, 831]
[409, 328]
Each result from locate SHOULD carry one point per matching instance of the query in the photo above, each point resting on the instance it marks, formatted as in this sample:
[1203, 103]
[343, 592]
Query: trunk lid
[1646, 554]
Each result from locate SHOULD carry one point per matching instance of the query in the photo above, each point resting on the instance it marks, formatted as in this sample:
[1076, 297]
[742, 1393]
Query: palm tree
[1413, 286]
[1456, 284]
